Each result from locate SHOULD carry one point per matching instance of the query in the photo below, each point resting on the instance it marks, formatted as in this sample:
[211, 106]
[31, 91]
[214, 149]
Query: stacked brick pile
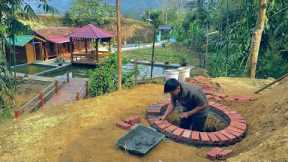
[218, 154]
[129, 122]
[212, 91]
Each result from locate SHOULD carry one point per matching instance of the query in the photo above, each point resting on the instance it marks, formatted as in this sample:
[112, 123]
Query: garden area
[171, 54]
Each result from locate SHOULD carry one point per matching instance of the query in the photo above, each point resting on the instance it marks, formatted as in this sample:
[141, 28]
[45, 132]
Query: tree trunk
[256, 37]
[119, 44]
[153, 54]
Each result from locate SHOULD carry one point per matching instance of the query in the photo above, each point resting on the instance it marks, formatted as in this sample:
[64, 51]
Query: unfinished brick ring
[231, 134]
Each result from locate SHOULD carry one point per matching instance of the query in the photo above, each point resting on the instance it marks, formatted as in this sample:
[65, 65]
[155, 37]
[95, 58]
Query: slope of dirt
[86, 131]
[267, 117]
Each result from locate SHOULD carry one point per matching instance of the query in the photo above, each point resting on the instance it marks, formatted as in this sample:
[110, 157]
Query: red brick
[209, 92]
[152, 119]
[235, 129]
[157, 122]
[164, 125]
[238, 123]
[213, 138]
[123, 125]
[236, 134]
[195, 136]
[241, 127]
[154, 111]
[224, 154]
[178, 132]
[228, 135]
[237, 119]
[220, 106]
[211, 103]
[204, 137]
[209, 97]
[213, 153]
[133, 120]
[170, 129]
[217, 98]
[186, 134]
[222, 138]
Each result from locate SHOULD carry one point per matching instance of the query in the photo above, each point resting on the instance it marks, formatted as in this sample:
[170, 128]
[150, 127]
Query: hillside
[86, 131]
[130, 8]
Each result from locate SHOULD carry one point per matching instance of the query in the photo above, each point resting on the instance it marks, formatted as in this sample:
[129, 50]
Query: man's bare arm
[169, 110]
[194, 111]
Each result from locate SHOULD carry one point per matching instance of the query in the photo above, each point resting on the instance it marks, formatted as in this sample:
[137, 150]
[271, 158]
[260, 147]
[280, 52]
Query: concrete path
[68, 92]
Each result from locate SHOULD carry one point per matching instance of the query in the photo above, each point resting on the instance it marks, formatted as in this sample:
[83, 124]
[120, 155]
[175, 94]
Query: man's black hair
[171, 85]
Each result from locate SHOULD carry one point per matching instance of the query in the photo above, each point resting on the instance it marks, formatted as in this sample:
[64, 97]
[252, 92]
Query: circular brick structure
[232, 133]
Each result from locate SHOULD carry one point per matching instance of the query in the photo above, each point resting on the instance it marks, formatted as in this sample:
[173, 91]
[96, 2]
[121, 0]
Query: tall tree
[87, 11]
[10, 11]
[257, 37]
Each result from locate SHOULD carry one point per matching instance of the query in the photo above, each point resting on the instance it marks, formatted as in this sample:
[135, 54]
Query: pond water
[82, 71]
[32, 68]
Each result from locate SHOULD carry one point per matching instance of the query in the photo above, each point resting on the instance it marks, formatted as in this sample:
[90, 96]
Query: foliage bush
[104, 79]
[6, 87]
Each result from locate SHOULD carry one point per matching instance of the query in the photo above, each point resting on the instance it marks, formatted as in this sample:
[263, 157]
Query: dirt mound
[86, 130]
[267, 117]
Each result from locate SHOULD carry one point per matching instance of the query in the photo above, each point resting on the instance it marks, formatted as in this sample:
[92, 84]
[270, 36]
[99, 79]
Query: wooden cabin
[28, 49]
[58, 43]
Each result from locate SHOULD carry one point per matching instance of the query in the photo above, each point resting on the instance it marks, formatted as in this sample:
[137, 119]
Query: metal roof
[90, 31]
[22, 40]
[58, 39]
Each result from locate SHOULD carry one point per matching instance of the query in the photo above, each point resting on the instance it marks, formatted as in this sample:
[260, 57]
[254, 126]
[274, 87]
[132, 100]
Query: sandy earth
[85, 131]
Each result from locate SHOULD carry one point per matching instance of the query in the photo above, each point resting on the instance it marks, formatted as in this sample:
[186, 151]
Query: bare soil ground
[85, 131]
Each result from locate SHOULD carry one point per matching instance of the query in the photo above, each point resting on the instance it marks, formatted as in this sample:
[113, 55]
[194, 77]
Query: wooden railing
[91, 55]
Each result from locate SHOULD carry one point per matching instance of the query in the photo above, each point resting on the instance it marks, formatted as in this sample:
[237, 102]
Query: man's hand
[184, 115]
[162, 118]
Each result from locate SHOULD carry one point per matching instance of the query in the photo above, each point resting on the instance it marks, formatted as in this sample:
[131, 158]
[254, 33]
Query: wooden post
[153, 53]
[97, 50]
[68, 78]
[57, 51]
[77, 96]
[119, 45]
[71, 50]
[86, 48]
[56, 86]
[87, 89]
[110, 49]
[17, 114]
[136, 70]
[257, 37]
[41, 98]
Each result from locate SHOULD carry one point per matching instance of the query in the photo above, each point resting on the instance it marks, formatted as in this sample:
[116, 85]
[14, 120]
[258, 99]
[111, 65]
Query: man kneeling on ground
[189, 101]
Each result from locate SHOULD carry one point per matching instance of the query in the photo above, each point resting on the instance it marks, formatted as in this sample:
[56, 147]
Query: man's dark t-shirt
[189, 98]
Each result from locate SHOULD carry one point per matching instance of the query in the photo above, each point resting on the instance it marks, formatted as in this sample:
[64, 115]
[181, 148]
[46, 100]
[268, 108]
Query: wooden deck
[89, 58]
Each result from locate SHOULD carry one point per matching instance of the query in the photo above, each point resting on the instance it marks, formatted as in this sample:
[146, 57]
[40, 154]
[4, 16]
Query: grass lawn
[174, 54]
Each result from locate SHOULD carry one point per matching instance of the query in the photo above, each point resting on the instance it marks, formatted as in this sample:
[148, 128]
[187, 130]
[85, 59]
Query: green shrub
[104, 79]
